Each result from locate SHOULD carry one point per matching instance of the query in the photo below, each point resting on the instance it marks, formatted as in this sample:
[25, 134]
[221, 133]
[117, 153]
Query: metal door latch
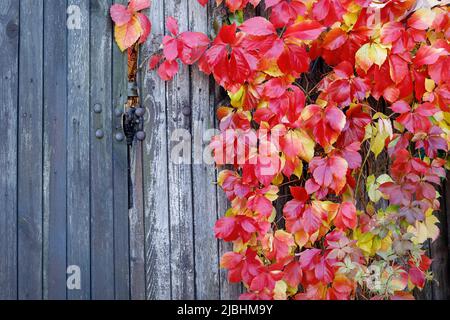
[133, 124]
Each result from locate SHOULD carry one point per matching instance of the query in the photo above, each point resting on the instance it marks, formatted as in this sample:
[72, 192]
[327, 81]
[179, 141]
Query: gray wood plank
[137, 227]
[157, 234]
[180, 175]
[120, 177]
[203, 174]
[9, 77]
[102, 212]
[55, 147]
[78, 157]
[30, 150]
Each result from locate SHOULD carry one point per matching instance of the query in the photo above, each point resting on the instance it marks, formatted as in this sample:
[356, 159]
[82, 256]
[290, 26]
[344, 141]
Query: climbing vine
[317, 91]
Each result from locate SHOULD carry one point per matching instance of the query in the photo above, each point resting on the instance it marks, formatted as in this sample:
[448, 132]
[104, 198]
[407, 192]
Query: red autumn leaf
[257, 26]
[323, 271]
[261, 205]
[431, 141]
[293, 274]
[346, 216]
[398, 68]
[329, 172]
[167, 70]
[282, 246]
[146, 27]
[390, 32]
[233, 262]
[334, 39]
[271, 3]
[138, 5]
[309, 258]
[172, 25]
[154, 60]
[428, 55]
[415, 120]
[194, 45]
[417, 277]
[311, 220]
[203, 2]
[299, 193]
[304, 30]
[285, 12]
[325, 123]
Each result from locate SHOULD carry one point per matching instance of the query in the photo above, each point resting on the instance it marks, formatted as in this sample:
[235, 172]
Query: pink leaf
[146, 27]
[138, 5]
[258, 26]
[167, 70]
[172, 25]
[120, 15]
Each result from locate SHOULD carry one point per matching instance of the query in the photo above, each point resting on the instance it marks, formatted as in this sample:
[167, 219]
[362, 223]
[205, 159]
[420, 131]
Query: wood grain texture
[155, 158]
[55, 150]
[9, 79]
[203, 173]
[102, 210]
[78, 155]
[120, 176]
[180, 172]
[30, 157]
[137, 227]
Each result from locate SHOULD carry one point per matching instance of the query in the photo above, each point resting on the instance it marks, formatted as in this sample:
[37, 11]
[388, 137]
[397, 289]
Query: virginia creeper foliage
[316, 90]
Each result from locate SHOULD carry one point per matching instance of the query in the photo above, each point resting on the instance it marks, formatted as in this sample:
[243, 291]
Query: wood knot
[12, 29]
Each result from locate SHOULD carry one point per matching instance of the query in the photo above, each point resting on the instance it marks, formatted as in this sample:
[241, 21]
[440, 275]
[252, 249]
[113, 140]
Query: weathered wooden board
[120, 176]
[206, 253]
[78, 157]
[9, 77]
[30, 146]
[155, 183]
[102, 210]
[54, 149]
[179, 111]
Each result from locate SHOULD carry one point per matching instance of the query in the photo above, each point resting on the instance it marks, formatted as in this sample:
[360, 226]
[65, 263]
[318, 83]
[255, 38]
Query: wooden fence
[64, 185]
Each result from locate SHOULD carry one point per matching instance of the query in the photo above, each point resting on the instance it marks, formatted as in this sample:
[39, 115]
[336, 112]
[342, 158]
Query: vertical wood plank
[120, 176]
[137, 228]
[440, 250]
[102, 212]
[203, 174]
[78, 158]
[30, 150]
[157, 234]
[55, 156]
[180, 174]
[9, 77]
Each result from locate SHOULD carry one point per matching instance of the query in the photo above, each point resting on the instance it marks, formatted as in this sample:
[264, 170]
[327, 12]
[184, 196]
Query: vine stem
[363, 164]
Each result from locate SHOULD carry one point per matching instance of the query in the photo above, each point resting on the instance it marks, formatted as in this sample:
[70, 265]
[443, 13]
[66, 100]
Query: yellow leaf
[301, 238]
[237, 98]
[308, 144]
[126, 35]
[369, 54]
[429, 84]
[424, 230]
[298, 172]
[279, 292]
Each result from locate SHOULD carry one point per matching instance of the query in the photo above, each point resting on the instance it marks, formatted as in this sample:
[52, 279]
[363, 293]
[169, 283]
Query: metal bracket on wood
[133, 124]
